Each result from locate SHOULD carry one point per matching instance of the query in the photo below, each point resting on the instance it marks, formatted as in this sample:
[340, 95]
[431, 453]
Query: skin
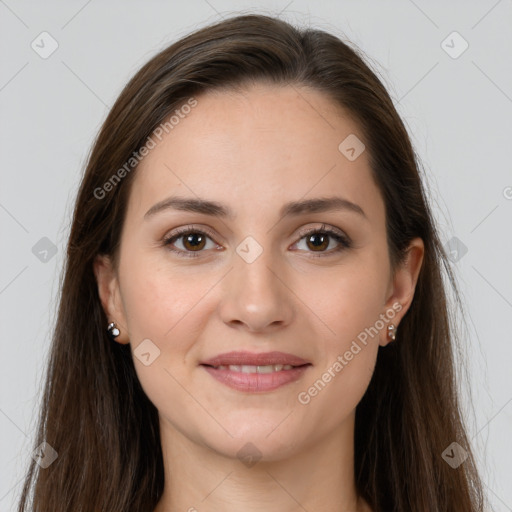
[254, 151]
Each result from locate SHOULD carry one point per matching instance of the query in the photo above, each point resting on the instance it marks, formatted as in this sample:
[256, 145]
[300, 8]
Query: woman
[253, 315]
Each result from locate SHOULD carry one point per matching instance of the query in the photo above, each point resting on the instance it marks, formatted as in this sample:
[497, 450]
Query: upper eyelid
[324, 227]
[182, 231]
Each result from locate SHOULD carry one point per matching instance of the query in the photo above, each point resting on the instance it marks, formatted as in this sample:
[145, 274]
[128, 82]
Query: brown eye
[318, 241]
[194, 241]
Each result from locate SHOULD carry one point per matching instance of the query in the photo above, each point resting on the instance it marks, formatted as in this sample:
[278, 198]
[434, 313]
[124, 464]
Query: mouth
[249, 372]
[245, 368]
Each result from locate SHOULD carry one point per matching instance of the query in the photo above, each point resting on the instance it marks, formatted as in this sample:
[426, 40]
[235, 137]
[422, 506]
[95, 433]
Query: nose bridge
[255, 294]
[254, 267]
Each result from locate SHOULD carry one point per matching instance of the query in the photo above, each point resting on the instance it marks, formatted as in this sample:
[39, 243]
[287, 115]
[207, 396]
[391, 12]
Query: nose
[256, 296]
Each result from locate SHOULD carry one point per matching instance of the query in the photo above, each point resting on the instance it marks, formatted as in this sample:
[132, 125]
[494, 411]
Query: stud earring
[113, 330]
[392, 331]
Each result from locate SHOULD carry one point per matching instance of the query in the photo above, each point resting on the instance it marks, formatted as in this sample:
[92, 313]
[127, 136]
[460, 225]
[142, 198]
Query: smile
[269, 368]
[256, 379]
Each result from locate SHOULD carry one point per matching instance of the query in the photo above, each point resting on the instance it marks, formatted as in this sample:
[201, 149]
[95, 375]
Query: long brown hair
[94, 412]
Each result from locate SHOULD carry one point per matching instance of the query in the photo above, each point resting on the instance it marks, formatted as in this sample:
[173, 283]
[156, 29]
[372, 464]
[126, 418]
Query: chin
[251, 449]
[266, 438]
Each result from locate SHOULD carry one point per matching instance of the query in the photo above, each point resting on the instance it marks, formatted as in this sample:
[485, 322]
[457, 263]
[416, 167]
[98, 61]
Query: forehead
[264, 145]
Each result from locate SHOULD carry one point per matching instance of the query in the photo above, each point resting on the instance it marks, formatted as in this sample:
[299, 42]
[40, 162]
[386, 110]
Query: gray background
[457, 110]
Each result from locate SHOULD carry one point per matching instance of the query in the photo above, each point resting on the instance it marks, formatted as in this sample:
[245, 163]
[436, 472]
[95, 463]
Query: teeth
[255, 369]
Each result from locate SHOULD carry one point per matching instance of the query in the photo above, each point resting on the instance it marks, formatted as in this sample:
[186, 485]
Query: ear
[110, 297]
[403, 285]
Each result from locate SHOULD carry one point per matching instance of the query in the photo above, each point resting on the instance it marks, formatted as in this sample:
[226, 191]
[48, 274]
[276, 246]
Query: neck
[319, 477]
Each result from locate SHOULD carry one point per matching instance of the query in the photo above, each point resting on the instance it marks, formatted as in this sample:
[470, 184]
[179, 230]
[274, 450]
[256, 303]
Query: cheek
[157, 299]
[161, 307]
[350, 307]
[167, 307]
[349, 300]
[332, 395]
[347, 355]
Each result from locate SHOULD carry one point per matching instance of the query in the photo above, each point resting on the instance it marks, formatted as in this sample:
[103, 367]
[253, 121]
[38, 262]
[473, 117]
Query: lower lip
[256, 382]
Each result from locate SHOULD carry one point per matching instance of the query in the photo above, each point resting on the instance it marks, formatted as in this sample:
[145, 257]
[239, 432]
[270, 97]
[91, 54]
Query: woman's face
[253, 280]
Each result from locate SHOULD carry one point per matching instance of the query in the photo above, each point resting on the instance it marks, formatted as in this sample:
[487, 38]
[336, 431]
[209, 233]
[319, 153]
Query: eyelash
[345, 242]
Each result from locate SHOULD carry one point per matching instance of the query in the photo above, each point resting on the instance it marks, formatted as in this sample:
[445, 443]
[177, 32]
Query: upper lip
[253, 359]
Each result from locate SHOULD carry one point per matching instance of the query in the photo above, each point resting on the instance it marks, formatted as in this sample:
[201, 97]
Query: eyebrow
[216, 209]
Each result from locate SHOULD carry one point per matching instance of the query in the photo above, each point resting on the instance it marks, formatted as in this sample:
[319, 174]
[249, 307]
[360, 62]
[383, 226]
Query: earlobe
[404, 285]
[108, 291]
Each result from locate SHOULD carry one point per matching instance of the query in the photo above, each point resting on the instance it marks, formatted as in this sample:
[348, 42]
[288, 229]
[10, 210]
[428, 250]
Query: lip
[254, 359]
[255, 382]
